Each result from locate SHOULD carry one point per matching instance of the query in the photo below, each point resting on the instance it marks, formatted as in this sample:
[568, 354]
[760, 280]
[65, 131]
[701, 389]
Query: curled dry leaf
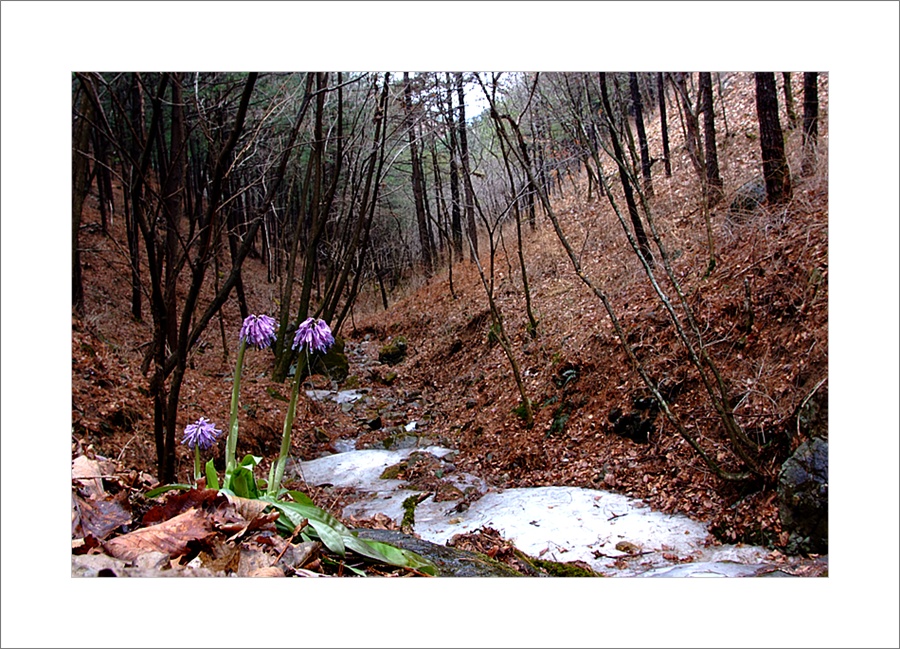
[87, 473]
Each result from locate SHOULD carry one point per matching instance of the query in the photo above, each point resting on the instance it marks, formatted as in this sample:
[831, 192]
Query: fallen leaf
[100, 516]
[170, 537]
[87, 472]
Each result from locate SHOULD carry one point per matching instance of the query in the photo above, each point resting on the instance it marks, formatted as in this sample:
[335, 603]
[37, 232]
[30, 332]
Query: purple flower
[258, 330]
[202, 434]
[314, 334]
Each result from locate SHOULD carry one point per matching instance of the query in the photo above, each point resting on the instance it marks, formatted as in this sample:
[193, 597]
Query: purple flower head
[202, 434]
[314, 334]
[258, 330]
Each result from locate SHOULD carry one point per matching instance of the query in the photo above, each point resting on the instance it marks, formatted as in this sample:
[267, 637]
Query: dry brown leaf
[170, 537]
[99, 516]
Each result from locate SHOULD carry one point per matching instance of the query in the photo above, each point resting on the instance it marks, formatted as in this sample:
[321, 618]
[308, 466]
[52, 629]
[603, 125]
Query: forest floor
[763, 311]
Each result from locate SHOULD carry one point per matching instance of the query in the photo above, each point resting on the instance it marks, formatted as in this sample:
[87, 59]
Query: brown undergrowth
[763, 314]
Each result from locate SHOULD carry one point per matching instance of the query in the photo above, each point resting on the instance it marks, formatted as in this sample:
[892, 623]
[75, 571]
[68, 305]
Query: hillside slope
[772, 266]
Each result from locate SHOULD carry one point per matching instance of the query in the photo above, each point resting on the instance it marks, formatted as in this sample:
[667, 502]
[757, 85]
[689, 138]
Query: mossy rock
[449, 562]
[394, 352]
[567, 569]
[333, 363]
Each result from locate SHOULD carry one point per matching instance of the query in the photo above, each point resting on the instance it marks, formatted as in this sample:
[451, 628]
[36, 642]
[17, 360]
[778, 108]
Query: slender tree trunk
[775, 167]
[789, 101]
[455, 220]
[810, 121]
[639, 232]
[173, 204]
[466, 171]
[80, 142]
[418, 189]
[642, 135]
[692, 139]
[714, 184]
[722, 103]
[661, 88]
[135, 193]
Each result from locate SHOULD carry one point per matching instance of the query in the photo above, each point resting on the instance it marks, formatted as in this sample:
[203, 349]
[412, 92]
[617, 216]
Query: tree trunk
[692, 139]
[642, 135]
[135, 193]
[713, 179]
[661, 87]
[466, 171]
[775, 167]
[455, 211]
[639, 232]
[80, 141]
[789, 101]
[173, 204]
[810, 121]
[418, 189]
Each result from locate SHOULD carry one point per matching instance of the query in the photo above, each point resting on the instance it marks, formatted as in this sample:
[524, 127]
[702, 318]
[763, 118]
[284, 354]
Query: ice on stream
[614, 534]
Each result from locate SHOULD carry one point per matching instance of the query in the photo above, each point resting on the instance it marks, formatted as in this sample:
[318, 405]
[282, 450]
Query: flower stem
[276, 476]
[196, 464]
[231, 445]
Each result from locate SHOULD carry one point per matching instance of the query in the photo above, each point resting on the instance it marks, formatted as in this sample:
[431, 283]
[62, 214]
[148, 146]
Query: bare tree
[775, 167]
[417, 179]
[810, 121]
[464, 164]
[714, 184]
[661, 89]
[642, 135]
[789, 101]
[80, 142]
[623, 172]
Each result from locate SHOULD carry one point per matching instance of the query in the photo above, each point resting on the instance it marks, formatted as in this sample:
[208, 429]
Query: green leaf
[212, 478]
[336, 536]
[327, 527]
[390, 555]
[243, 483]
[330, 537]
[153, 493]
[250, 460]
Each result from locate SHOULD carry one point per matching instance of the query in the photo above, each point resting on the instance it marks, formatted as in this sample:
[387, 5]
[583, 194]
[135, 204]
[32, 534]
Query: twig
[808, 397]
[296, 531]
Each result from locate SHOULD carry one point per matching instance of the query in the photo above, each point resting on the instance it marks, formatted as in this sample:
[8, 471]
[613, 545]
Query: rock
[394, 352]
[803, 498]
[333, 364]
[748, 199]
[450, 562]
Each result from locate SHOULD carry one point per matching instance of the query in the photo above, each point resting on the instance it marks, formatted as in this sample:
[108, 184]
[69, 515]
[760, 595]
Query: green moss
[555, 569]
[393, 352]
[352, 382]
[391, 472]
[409, 513]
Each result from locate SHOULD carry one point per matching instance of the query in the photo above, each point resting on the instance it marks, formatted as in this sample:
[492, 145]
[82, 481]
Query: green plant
[298, 513]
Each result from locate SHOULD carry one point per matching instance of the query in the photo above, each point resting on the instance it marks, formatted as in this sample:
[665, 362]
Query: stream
[615, 535]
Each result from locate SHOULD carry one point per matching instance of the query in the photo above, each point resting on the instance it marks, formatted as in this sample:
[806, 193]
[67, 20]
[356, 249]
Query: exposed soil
[763, 313]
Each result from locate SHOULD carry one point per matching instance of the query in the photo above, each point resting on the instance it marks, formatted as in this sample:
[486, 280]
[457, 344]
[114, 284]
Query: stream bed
[615, 535]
